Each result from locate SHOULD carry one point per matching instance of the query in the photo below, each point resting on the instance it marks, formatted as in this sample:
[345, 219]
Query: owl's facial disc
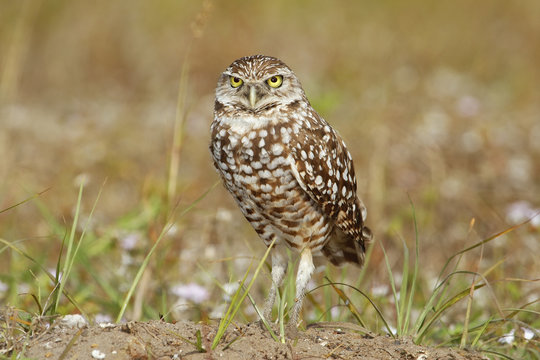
[253, 94]
[257, 95]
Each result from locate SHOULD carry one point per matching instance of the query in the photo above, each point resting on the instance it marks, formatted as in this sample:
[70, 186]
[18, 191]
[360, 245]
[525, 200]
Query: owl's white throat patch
[245, 123]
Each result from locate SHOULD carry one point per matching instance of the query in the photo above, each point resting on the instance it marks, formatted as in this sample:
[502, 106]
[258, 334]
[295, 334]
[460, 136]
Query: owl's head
[258, 83]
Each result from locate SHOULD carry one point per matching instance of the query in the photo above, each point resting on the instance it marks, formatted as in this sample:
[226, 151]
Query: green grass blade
[196, 344]
[481, 332]
[446, 305]
[146, 260]
[500, 355]
[392, 284]
[68, 256]
[436, 294]
[480, 243]
[264, 321]
[85, 228]
[70, 344]
[140, 272]
[237, 302]
[354, 311]
[377, 310]
[24, 201]
[224, 323]
[281, 313]
[196, 201]
[409, 304]
[178, 132]
[428, 307]
[42, 268]
[515, 311]
[403, 291]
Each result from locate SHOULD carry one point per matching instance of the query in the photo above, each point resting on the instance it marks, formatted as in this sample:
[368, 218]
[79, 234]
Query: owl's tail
[343, 248]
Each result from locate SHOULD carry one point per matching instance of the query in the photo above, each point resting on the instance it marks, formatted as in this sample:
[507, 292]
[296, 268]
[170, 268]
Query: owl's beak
[252, 96]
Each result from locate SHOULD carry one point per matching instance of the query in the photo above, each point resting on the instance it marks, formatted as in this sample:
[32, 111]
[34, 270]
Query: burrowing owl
[288, 170]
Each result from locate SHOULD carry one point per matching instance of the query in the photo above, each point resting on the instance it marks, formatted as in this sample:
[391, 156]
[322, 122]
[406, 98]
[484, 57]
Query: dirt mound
[160, 340]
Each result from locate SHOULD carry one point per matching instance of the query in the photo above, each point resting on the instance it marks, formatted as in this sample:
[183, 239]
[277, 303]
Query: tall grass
[430, 307]
[64, 264]
[238, 299]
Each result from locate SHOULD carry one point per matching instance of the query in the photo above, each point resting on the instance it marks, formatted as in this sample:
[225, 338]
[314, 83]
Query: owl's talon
[292, 332]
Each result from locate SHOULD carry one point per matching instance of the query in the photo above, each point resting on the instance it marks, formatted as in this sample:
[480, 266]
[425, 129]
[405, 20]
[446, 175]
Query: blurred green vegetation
[437, 101]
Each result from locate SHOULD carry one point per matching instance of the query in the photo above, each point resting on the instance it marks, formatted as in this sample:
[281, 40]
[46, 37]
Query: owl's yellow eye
[275, 81]
[235, 81]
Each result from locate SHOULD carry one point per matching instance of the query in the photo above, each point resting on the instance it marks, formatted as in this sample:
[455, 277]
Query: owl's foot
[292, 331]
[262, 324]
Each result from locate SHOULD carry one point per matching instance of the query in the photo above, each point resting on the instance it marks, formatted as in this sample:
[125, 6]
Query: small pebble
[96, 354]
[107, 325]
[73, 321]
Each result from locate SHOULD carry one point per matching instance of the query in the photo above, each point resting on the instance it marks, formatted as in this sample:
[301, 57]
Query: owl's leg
[279, 268]
[305, 270]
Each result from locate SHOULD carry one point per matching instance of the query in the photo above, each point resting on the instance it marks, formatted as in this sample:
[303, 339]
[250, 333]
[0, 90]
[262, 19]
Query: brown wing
[323, 167]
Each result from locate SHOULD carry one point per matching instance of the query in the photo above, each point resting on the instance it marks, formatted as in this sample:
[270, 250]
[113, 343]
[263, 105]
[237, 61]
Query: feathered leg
[305, 270]
[279, 268]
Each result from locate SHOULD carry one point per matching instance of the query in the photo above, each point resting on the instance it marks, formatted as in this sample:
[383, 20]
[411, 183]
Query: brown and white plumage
[289, 171]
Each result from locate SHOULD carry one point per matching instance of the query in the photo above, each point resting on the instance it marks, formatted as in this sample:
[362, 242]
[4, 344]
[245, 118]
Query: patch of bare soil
[160, 340]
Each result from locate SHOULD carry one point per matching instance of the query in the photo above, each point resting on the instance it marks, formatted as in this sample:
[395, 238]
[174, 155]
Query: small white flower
[192, 292]
[102, 318]
[528, 334]
[224, 215]
[392, 329]
[81, 179]
[23, 288]
[218, 311]
[380, 290]
[3, 287]
[229, 290]
[521, 211]
[125, 260]
[53, 273]
[507, 338]
[129, 241]
[468, 106]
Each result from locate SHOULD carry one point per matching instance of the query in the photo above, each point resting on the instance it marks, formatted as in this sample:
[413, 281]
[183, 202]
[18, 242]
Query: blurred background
[439, 103]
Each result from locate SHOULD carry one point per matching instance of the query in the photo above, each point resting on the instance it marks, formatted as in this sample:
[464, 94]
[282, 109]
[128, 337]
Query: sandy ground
[160, 340]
